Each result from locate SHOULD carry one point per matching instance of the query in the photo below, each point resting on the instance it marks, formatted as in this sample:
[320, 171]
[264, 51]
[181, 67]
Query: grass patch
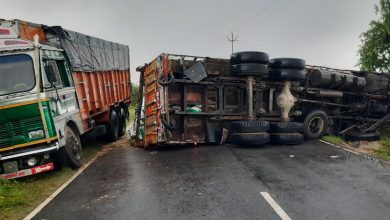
[21, 196]
[333, 139]
[132, 114]
[11, 194]
[384, 151]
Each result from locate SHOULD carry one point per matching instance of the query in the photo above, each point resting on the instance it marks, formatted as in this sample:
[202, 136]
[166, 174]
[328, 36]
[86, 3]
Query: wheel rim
[75, 147]
[316, 125]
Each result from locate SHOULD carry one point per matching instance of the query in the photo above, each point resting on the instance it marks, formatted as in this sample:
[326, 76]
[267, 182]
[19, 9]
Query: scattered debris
[100, 198]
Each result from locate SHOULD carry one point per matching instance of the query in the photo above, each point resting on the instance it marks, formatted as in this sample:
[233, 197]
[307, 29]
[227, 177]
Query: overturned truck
[250, 100]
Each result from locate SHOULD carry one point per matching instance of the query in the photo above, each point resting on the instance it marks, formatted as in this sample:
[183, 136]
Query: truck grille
[18, 129]
[5, 139]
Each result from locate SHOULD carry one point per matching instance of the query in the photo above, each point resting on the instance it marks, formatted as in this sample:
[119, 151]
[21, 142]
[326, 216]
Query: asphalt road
[309, 181]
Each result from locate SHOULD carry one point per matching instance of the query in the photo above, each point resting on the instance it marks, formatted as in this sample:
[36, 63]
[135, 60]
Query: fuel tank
[330, 79]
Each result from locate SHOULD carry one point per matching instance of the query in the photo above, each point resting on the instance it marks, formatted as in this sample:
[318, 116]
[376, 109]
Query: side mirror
[50, 73]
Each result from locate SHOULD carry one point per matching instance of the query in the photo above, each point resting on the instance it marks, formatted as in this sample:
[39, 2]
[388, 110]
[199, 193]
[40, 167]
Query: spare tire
[287, 74]
[250, 69]
[287, 138]
[286, 127]
[166, 80]
[249, 138]
[287, 63]
[249, 57]
[249, 126]
[356, 135]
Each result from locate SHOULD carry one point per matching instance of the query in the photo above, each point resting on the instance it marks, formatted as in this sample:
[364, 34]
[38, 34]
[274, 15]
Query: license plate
[10, 167]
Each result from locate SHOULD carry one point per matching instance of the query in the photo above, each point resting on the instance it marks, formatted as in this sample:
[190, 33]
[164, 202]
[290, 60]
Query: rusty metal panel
[28, 31]
[217, 67]
[194, 129]
[151, 105]
[151, 109]
[232, 97]
[150, 98]
[211, 100]
[194, 95]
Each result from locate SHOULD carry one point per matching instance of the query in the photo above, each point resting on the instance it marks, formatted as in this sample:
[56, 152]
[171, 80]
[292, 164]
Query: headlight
[32, 161]
[36, 134]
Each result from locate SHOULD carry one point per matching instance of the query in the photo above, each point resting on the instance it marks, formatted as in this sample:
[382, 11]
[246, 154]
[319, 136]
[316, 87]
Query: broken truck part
[206, 96]
[57, 85]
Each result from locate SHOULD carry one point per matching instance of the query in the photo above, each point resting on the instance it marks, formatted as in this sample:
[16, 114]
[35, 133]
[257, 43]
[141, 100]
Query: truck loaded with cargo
[252, 100]
[57, 86]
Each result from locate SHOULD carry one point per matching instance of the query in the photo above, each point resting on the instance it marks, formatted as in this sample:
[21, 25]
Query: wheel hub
[316, 125]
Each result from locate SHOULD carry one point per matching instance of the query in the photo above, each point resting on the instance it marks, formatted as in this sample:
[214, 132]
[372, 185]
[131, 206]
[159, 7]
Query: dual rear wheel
[314, 126]
[248, 133]
[116, 127]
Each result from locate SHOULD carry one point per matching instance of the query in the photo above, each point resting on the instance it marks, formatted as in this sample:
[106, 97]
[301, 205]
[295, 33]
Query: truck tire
[287, 63]
[166, 80]
[122, 124]
[249, 126]
[250, 69]
[315, 124]
[113, 127]
[287, 138]
[287, 74]
[70, 154]
[286, 127]
[249, 57]
[259, 138]
[356, 135]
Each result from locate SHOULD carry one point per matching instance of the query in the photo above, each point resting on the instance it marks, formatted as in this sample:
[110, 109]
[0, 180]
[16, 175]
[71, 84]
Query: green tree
[375, 49]
[135, 96]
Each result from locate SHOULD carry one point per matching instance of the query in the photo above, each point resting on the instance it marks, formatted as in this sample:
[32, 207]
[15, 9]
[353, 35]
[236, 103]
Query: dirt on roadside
[363, 147]
[124, 142]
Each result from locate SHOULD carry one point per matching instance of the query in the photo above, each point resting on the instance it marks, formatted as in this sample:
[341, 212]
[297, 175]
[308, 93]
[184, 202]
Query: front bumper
[38, 150]
[28, 172]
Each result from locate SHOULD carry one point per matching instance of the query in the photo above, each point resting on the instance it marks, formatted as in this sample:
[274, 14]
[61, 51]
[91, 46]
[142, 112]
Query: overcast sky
[324, 32]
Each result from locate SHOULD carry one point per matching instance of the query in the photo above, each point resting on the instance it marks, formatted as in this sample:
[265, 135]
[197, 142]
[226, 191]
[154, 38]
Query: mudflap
[214, 132]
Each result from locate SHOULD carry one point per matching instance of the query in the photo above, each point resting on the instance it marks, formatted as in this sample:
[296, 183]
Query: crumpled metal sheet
[196, 72]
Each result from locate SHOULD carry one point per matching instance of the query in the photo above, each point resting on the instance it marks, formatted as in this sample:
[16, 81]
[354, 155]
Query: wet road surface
[309, 181]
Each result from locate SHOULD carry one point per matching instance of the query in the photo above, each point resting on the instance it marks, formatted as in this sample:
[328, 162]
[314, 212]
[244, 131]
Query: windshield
[16, 74]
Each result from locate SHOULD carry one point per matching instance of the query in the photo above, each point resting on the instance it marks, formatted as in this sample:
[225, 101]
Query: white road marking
[351, 151]
[282, 214]
[55, 193]
[356, 153]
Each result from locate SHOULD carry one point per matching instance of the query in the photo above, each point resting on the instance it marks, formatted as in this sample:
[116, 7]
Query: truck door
[61, 89]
